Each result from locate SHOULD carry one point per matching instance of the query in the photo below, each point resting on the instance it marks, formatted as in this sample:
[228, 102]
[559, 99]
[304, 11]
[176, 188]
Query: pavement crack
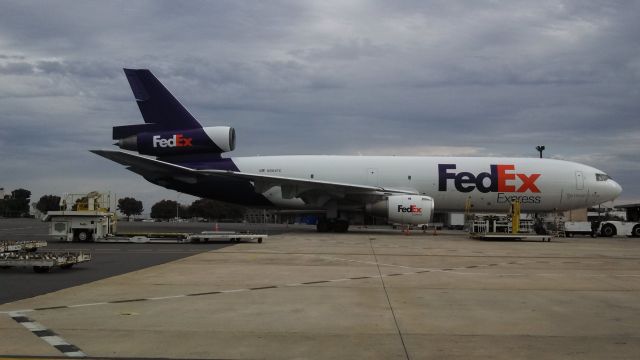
[386, 293]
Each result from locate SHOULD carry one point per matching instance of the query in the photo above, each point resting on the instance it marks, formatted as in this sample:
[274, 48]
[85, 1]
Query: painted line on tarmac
[48, 336]
[259, 288]
[373, 262]
[416, 270]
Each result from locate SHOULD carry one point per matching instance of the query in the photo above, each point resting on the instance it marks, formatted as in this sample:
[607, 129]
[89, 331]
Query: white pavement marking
[32, 326]
[166, 297]
[22, 311]
[47, 335]
[76, 354]
[54, 340]
[89, 304]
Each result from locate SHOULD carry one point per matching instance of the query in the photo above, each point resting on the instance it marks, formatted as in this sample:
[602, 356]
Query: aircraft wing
[310, 190]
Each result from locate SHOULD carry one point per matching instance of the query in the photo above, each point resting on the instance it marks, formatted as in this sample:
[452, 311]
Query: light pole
[177, 207]
[540, 149]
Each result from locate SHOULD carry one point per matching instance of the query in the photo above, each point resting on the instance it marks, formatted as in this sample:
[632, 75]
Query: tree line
[16, 204]
[202, 208]
[168, 209]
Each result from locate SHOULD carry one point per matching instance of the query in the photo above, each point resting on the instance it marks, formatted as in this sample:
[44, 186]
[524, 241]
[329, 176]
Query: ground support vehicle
[28, 246]
[509, 227]
[173, 238]
[23, 254]
[502, 229]
[83, 217]
[230, 236]
[604, 228]
[455, 221]
[80, 225]
[225, 235]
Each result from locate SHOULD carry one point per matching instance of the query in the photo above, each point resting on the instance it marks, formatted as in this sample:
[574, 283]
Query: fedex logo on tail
[177, 140]
[501, 178]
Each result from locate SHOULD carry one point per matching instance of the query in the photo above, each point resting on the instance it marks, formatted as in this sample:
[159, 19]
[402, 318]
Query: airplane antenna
[540, 149]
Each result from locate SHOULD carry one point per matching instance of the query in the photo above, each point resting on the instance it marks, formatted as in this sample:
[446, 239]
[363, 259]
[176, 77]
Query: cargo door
[579, 180]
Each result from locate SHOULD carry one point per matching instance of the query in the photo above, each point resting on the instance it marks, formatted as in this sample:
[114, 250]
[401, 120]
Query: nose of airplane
[609, 190]
[616, 189]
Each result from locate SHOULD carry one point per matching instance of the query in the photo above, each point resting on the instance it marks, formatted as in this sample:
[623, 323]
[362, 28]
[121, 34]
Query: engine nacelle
[404, 209]
[213, 139]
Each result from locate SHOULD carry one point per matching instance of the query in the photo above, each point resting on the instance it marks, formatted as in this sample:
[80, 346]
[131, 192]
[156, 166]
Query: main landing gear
[332, 225]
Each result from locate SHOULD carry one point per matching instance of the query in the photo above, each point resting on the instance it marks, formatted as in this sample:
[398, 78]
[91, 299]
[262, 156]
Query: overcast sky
[328, 77]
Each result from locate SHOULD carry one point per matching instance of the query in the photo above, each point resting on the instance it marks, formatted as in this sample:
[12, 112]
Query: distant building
[35, 212]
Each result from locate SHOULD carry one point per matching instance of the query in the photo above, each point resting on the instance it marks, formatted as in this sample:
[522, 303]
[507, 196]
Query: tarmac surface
[371, 294]
[107, 259]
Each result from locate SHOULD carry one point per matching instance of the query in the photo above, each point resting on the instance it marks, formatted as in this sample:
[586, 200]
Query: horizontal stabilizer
[121, 132]
[143, 164]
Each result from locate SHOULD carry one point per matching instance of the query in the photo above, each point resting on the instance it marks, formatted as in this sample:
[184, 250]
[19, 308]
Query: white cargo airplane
[404, 189]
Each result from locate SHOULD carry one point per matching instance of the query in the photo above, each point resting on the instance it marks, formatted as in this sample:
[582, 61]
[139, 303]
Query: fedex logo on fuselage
[410, 209]
[177, 140]
[501, 178]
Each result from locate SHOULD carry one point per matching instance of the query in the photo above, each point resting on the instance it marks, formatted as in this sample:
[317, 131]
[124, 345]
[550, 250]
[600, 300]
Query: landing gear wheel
[539, 229]
[322, 226]
[636, 231]
[341, 226]
[608, 230]
[83, 235]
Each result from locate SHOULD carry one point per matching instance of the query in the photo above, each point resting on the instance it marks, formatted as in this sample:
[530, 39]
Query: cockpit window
[602, 177]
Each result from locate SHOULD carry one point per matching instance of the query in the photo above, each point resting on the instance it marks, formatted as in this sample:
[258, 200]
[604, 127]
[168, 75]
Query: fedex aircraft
[172, 149]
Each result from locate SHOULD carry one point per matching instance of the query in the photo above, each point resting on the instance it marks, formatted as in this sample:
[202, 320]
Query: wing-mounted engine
[404, 209]
[213, 139]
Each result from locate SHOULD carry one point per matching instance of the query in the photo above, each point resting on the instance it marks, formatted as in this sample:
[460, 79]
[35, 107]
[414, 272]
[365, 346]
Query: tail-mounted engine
[213, 139]
[404, 209]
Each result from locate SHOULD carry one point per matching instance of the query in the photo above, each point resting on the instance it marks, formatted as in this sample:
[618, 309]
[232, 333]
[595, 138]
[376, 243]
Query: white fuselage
[489, 183]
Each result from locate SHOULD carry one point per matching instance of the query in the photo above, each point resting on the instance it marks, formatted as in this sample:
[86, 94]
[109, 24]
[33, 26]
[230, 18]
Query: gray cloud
[456, 77]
